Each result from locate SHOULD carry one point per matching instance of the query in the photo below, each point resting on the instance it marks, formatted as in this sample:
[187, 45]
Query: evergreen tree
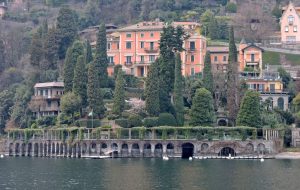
[213, 29]
[171, 39]
[66, 29]
[70, 103]
[250, 113]
[101, 60]
[232, 80]
[36, 50]
[178, 92]
[2, 56]
[88, 53]
[152, 90]
[208, 81]
[70, 62]
[202, 112]
[51, 47]
[119, 95]
[80, 80]
[95, 97]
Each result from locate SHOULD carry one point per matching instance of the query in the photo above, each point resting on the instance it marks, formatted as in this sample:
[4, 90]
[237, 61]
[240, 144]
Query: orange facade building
[249, 57]
[135, 47]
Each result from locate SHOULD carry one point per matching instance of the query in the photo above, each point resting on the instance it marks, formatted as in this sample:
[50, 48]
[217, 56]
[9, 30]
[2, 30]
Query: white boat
[1, 156]
[190, 158]
[165, 158]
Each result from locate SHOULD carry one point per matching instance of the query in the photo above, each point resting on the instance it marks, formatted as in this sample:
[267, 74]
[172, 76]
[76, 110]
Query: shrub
[47, 121]
[151, 121]
[89, 123]
[112, 117]
[122, 122]
[134, 121]
[166, 119]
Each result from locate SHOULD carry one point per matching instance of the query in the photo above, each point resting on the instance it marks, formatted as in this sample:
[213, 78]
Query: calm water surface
[144, 174]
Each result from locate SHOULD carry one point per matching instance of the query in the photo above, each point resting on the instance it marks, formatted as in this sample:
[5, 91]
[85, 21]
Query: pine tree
[171, 39]
[178, 92]
[119, 95]
[80, 80]
[66, 29]
[208, 81]
[51, 47]
[95, 98]
[250, 113]
[70, 62]
[36, 50]
[202, 112]
[2, 56]
[232, 80]
[88, 53]
[101, 60]
[152, 90]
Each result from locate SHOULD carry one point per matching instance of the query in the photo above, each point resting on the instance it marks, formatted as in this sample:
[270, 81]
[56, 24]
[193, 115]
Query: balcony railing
[191, 50]
[151, 50]
[46, 97]
[127, 63]
[111, 63]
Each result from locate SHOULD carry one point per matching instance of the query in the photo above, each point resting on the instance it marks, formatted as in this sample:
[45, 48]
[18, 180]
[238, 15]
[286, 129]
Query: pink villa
[290, 22]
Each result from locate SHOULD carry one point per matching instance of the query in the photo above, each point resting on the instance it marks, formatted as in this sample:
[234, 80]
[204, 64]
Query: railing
[191, 50]
[151, 50]
[46, 97]
[111, 63]
[127, 63]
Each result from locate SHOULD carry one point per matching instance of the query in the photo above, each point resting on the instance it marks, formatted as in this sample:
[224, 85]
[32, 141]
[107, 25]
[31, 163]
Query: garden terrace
[141, 133]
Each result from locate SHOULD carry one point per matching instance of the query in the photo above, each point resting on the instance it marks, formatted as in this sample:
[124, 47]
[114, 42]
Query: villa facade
[290, 23]
[46, 99]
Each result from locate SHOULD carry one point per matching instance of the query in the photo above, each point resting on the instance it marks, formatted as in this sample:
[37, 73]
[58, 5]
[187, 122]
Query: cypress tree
[101, 60]
[208, 81]
[152, 90]
[171, 39]
[71, 59]
[178, 92]
[202, 112]
[119, 95]
[80, 80]
[2, 56]
[95, 98]
[66, 29]
[250, 113]
[36, 49]
[88, 53]
[232, 80]
[51, 47]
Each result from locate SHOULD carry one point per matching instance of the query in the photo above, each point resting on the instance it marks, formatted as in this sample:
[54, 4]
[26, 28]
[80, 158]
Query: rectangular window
[128, 45]
[192, 46]
[142, 44]
[151, 58]
[291, 39]
[110, 59]
[46, 92]
[151, 45]
[49, 104]
[252, 57]
[142, 35]
[295, 29]
[272, 87]
[128, 35]
[142, 58]
[128, 59]
[286, 28]
[224, 58]
[192, 71]
[108, 46]
[118, 45]
[192, 58]
[216, 58]
[151, 35]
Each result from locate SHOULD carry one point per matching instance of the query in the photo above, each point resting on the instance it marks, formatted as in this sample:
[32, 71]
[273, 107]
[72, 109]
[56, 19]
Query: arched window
[280, 103]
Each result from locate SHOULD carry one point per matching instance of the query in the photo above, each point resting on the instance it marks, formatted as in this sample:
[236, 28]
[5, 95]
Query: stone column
[165, 149]
[129, 150]
[152, 150]
[129, 131]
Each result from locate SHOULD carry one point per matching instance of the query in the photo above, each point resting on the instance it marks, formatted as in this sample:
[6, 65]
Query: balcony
[49, 97]
[143, 63]
[252, 62]
[111, 63]
[190, 50]
[151, 50]
[127, 63]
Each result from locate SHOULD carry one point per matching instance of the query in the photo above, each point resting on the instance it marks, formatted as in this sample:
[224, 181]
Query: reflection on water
[146, 174]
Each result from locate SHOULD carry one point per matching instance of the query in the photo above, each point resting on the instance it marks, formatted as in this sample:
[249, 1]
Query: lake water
[145, 174]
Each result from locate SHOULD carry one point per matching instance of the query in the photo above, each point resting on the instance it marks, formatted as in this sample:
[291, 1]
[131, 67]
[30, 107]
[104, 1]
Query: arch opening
[187, 150]
[226, 151]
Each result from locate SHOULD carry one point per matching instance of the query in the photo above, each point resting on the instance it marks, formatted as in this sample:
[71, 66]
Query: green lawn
[271, 58]
[293, 59]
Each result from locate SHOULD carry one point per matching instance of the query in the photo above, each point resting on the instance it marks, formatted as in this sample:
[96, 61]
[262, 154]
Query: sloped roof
[252, 45]
[49, 84]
